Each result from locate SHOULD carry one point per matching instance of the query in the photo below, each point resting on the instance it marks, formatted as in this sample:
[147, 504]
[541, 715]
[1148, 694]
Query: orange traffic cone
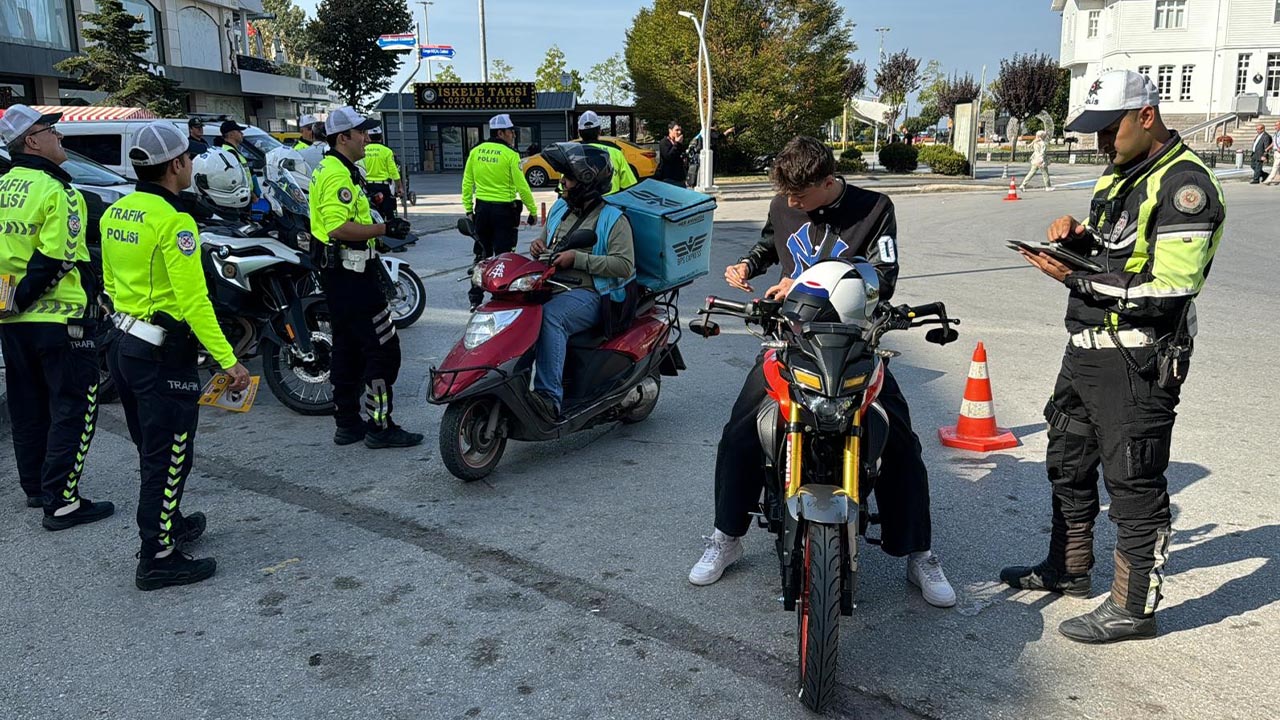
[1013, 192]
[976, 429]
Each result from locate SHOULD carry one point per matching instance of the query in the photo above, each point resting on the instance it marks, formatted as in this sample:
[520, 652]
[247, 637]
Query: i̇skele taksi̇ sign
[475, 96]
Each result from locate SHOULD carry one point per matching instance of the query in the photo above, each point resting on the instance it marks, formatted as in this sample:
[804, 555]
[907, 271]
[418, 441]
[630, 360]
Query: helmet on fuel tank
[836, 290]
[219, 176]
[588, 166]
[287, 161]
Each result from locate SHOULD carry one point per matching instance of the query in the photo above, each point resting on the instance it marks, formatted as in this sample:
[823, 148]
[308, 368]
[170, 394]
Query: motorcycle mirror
[580, 239]
[942, 335]
[705, 328]
[466, 227]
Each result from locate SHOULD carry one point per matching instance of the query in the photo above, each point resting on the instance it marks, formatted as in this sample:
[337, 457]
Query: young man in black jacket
[817, 215]
[671, 163]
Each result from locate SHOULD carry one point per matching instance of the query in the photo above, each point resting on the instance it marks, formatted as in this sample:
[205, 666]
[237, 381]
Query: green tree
[343, 39]
[610, 81]
[550, 74]
[113, 63]
[289, 28]
[932, 82]
[501, 71]
[1060, 106]
[447, 74]
[779, 68]
[897, 77]
[956, 91]
[1026, 86]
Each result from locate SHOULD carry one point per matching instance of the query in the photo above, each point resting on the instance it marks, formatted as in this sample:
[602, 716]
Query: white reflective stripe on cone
[980, 409]
[978, 371]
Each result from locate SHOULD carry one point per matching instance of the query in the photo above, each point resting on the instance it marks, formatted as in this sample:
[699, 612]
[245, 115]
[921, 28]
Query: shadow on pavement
[1254, 591]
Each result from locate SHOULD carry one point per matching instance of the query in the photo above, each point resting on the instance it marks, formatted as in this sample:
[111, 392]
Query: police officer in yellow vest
[48, 307]
[493, 189]
[366, 349]
[1154, 225]
[232, 134]
[589, 130]
[307, 129]
[154, 279]
[381, 174]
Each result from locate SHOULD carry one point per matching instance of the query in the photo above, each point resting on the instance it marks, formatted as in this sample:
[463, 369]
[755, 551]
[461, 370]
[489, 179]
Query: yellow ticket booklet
[215, 394]
[7, 288]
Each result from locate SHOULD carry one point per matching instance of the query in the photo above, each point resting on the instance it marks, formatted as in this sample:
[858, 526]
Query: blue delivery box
[672, 230]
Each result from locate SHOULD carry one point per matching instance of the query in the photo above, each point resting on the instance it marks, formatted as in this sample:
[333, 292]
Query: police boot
[392, 436]
[178, 568]
[1109, 623]
[1066, 570]
[88, 512]
[1045, 577]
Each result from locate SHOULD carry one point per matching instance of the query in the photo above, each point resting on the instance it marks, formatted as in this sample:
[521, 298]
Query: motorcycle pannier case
[672, 230]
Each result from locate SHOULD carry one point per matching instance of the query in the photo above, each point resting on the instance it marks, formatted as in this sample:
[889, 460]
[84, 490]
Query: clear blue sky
[962, 35]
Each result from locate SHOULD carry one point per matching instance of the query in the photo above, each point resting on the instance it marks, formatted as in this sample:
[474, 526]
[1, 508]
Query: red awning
[77, 113]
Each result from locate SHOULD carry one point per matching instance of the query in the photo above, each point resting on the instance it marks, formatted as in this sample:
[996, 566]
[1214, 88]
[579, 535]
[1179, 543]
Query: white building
[1207, 57]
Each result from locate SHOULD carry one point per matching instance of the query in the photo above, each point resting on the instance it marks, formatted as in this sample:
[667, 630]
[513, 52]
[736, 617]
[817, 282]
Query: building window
[1185, 95]
[1242, 72]
[1095, 18]
[1164, 81]
[1144, 71]
[151, 23]
[38, 23]
[1276, 16]
[1273, 74]
[1171, 14]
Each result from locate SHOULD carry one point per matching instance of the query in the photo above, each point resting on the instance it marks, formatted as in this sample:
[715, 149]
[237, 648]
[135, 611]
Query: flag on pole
[397, 41]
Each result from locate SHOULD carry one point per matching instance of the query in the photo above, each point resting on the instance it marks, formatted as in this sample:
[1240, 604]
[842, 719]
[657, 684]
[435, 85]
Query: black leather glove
[533, 219]
[398, 228]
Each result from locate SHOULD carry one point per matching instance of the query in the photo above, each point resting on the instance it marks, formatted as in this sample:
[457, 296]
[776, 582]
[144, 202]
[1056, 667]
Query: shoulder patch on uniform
[344, 194]
[1190, 199]
[187, 242]
[73, 225]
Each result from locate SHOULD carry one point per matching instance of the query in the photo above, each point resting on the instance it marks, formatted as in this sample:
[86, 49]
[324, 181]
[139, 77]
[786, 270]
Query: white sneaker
[925, 572]
[722, 551]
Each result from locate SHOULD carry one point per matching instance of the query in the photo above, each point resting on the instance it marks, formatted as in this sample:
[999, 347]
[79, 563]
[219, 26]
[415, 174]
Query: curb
[898, 190]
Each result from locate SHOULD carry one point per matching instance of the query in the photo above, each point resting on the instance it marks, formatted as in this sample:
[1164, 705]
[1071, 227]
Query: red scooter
[485, 380]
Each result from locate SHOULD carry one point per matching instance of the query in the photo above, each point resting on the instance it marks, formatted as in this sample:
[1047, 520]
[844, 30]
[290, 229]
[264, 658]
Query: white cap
[18, 119]
[346, 118]
[158, 142]
[589, 120]
[1113, 94]
[306, 120]
[501, 122]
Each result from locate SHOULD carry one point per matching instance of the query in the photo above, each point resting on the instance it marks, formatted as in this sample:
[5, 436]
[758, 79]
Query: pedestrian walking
[1274, 177]
[493, 190]
[366, 349]
[152, 273]
[48, 316]
[1154, 224]
[1039, 162]
[1262, 144]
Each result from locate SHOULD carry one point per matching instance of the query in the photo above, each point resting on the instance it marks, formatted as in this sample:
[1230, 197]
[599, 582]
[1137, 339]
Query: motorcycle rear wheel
[818, 614]
[467, 454]
[411, 298]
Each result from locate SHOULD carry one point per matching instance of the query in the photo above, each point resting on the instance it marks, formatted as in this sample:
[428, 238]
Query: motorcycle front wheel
[467, 449]
[818, 614]
[410, 299]
[302, 383]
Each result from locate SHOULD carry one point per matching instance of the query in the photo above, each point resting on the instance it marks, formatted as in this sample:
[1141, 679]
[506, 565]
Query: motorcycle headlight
[477, 275]
[485, 325]
[827, 410]
[524, 283]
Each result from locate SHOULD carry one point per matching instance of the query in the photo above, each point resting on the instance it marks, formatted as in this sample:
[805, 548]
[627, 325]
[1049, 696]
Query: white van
[108, 142]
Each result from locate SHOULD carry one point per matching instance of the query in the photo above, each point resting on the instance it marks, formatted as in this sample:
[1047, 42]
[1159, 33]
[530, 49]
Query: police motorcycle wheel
[410, 300]
[302, 383]
[818, 615]
[468, 450]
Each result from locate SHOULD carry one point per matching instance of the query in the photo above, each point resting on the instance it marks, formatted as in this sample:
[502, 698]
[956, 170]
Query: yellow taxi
[644, 163]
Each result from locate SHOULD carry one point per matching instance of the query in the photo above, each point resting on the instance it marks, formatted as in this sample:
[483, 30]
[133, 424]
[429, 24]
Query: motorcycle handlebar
[715, 303]
[935, 308]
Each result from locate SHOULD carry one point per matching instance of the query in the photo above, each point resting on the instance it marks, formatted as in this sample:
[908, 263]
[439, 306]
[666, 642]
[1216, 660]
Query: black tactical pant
[366, 349]
[387, 205]
[497, 228]
[1120, 419]
[902, 490]
[160, 393]
[52, 382]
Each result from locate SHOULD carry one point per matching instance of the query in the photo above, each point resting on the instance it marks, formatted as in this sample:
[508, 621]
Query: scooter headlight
[524, 283]
[485, 325]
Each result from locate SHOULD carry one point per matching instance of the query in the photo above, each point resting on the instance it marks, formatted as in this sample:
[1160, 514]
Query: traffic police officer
[1154, 225]
[589, 129]
[232, 134]
[493, 188]
[380, 172]
[307, 129]
[48, 307]
[366, 349]
[152, 272]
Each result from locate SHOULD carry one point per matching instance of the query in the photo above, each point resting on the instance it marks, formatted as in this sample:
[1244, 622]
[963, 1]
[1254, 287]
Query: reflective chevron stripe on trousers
[52, 383]
[366, 350]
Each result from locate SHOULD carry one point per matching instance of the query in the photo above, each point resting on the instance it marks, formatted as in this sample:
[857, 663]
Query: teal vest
[609, 215]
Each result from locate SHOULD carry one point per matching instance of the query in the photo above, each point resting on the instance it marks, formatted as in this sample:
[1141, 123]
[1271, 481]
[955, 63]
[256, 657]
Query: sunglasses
[47, 128]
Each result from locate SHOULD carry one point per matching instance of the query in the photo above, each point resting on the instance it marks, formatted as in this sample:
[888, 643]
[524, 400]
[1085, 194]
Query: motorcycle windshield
[290, 196]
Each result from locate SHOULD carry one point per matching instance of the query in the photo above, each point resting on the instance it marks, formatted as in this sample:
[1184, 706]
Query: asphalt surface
[372, 584]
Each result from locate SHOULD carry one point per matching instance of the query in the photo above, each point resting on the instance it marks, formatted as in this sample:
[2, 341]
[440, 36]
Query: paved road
[361, 584]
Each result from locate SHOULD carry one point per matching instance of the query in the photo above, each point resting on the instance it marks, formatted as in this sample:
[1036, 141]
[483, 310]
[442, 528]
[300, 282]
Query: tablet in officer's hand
[1072, 260]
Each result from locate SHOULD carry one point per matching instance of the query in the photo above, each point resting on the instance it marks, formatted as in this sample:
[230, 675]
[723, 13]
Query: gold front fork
[794, 447]
[852, 449]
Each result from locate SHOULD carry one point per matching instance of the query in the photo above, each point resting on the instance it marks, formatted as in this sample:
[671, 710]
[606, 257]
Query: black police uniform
[861, 223]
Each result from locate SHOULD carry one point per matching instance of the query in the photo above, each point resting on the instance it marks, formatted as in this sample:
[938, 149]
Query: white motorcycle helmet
[219, 176]
[836, 290]
[287, 161]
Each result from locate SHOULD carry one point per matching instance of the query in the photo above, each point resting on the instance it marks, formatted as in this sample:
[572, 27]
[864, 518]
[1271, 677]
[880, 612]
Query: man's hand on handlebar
[537, 247]
[564, 260]
[1065, 229]
[779, 292]
[736, 276]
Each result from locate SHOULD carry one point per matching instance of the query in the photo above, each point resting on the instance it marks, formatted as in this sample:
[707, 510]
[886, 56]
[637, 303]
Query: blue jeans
[566, 314]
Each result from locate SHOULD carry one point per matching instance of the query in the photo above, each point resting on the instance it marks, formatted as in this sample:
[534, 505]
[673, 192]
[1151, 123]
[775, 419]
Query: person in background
[1274, 177]
[1039, 162]
[672, 167]
[1262, 144]
[195, 133]
[307, 130]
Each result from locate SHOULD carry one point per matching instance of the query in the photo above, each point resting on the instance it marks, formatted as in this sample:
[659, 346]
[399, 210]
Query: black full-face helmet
[590, 168]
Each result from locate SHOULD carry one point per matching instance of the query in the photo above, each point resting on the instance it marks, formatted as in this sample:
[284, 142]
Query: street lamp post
[484, 48]
[875, 146]
[404, 199]
[426, 35]
[706, 158]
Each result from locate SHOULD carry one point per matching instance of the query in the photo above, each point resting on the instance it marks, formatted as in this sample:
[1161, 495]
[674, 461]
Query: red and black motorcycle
[485, 380]
[823, 432]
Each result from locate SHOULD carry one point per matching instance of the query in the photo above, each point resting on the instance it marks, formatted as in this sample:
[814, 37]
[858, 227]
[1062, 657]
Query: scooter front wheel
[471, 438]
